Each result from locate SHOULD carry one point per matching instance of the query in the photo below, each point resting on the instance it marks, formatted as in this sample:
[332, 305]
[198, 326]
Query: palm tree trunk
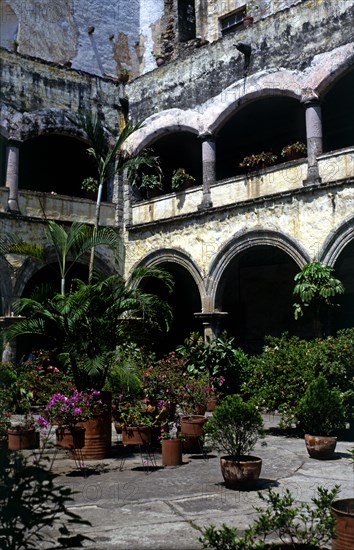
[96, 224]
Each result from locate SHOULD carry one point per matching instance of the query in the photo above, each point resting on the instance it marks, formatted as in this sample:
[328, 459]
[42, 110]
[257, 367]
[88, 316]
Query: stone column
[208, 160]
[211, 323]
[313, 114]
[12, 169]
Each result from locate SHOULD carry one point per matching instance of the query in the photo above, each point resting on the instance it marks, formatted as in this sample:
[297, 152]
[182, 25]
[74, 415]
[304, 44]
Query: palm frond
[13, 244]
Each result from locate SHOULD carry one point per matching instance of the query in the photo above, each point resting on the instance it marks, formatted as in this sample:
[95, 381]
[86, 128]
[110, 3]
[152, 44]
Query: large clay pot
[98, 435]
[171, 452]
[19, 440]
[193, 425]
[320, 447]
[343, 511]
[241, 474]
[70, 438]
[136, 435]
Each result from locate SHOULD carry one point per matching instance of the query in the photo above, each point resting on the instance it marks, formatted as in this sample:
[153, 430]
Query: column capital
[13, 142]
[206, 136]
[309, 97]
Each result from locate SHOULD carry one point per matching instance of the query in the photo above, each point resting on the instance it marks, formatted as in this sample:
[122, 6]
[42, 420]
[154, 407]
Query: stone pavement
[145, 507]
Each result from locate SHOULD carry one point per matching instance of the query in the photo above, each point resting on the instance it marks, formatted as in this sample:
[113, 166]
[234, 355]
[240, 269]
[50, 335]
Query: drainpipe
[208, 165]
[313, 115]
[12, 169]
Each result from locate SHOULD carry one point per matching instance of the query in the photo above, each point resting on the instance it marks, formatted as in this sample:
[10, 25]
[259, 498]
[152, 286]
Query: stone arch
[45, 121]
[247, 239]
[162, 123]
[278, 83]
[336, 242]
[31, 268]
[242, 283]
[339, 62]
[338, 252]
[187, 297]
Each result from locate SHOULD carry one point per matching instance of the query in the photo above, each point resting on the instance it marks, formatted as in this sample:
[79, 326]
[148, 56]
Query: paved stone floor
[145, 507]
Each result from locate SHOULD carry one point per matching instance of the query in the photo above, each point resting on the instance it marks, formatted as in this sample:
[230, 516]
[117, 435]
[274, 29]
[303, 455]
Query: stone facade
[216, 97]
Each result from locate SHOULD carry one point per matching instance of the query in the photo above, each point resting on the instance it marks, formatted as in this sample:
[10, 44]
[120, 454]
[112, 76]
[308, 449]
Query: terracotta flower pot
[242, 474]
[343, 511]
[320, 447]
[193, 425]
[136, 435]
[22, 439]
[70, 438]
[98, 435]
[171, 452]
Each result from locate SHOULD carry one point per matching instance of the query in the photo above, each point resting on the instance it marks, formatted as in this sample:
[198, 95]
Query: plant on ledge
[180, 178]
[259, 160]
[294, 150]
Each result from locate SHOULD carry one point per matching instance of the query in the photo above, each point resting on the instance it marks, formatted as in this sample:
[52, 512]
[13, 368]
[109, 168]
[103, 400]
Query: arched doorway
[266, 124]
[184, 301]
[338, 114]
[343, 316]
[55, 164]
[256, 290]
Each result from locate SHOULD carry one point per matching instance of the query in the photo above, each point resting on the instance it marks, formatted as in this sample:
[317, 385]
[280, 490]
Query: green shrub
[307, 525]
[235, 426]
[219, 357]
[320, 411]
[281, 373]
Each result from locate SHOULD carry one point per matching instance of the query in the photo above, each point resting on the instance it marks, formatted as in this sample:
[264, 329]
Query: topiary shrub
[235, 426]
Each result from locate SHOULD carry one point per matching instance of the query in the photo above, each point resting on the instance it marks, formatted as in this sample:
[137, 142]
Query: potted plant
[259, 160]
[281, 524]
[235, 428]
[181, 179]
[294, 150]
[250, 10]
[171, 444]
[90, 185]
[343, 513]
[25, 434]
[138, 420]
[319, 413]
[67, 412]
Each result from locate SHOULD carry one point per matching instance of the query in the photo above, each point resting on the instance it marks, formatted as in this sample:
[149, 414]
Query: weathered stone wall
[31, 86]
[285, 41]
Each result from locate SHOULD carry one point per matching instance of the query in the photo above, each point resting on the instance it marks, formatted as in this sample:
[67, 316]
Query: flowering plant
[69, 411]
[195, 394]
[294, 148]
[162, 384]
[171, 431]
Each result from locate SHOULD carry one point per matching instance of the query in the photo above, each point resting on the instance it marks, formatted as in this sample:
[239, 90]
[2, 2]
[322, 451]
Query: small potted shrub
[25, 434]
[181, 179]
[320, 412]
[235, 428]
[123, 75]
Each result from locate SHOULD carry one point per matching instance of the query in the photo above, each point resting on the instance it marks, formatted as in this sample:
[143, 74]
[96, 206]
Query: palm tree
[89, 322]
[70, 244]
[109, 159]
